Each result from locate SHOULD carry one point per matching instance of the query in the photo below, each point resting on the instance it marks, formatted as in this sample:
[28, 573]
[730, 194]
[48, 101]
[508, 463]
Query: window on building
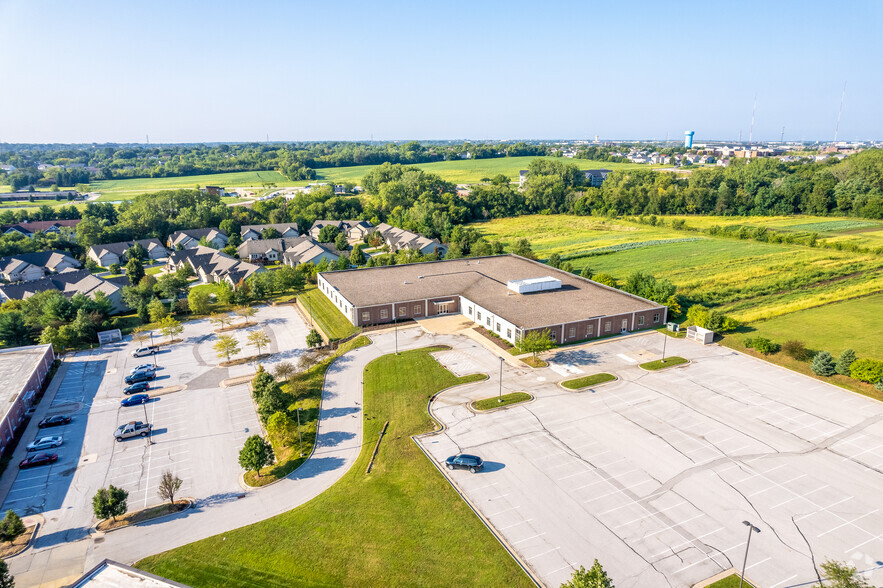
[469, 310]
[571, 332]
[366, 317]
[656, 317]
[488, 321]
[641, 320]
[403, 310]
[499, 328]
[590, 330]
[384, 313]
[508, 333]
[607, 325]
[418, 309]
[478, 315]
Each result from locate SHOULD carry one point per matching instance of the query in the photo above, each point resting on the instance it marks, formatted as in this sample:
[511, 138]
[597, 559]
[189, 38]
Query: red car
[38, 459]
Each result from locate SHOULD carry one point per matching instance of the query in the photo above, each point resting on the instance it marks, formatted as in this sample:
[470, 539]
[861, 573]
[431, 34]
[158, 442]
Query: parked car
[45, 443]
[136, 387]
[38, 460]
[140, 377]
[473, 463]
[144, 367]
[54, 421]
[135, 400]
[132, 429]
[148, 350]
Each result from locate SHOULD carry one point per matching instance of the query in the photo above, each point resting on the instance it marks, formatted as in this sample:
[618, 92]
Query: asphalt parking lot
[654, 474]
[197, 433]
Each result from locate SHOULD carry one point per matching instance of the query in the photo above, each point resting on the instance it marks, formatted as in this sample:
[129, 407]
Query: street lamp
[153, 351]
[664, 341]
[395, 324]
[149, 440]
[299, 438]
[500, 399]
[751, 529]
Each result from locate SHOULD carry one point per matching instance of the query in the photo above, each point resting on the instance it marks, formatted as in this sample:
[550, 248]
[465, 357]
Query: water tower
[688, 139]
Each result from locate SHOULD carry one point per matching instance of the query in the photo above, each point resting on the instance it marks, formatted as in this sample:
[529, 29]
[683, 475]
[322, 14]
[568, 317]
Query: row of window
[384, 312]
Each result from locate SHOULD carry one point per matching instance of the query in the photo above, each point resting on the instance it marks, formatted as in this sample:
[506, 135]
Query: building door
[443, 308]
[625, 325]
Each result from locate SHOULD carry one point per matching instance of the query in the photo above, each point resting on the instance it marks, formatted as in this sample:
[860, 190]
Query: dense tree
[823, 364]
[255, 454]
[157, 310]
[13, 330]
[11, 526]
[845, 361]
[199, 301]
[110, 502]
[314, 339]
[281, 426]
[866, 370]
[595, 577]
[134, 270]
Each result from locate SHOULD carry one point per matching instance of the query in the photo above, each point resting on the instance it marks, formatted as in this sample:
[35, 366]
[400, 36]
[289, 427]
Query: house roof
[30, 227]
[213, 262]
[307, 250]
[343, 225]
[197, 234]
[69, 283]
[47, 259]
[262, 246]
[281, 227]
[484, 281]
[123, 246]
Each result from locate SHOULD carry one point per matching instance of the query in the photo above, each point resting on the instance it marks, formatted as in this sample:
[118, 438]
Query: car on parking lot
[147, 350]
[136, 387]
[135, 400]
[140, 377]
[38, 460]
[45, 443]
[132, 429]
[144, 367]
[473, 463]
[54, 421]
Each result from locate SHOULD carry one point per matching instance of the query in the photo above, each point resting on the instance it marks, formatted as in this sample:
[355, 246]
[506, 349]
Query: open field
[401, 525]
[129, 188]
[749, 279]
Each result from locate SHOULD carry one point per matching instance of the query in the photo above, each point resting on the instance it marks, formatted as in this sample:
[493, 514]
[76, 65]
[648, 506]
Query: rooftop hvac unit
[534, 285]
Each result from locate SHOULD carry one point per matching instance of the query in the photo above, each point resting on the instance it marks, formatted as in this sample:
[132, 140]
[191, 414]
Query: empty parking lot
[654, 474]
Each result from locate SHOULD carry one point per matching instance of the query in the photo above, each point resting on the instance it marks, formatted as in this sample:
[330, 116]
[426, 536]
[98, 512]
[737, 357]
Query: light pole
[664, 341]
[751, 529]
[152, 351]
[149, 440]
[299, 438]
[395, 324]
[500, 399]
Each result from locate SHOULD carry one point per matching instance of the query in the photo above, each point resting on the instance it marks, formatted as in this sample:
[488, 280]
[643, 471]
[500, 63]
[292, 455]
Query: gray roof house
[28, 228]
[267, 250]
[189, 239]
[353, 229]
[68, 283]
[397, 238]
[212, 266]
[110, 253]
[287, 230]
[33, 266]
[306, 251]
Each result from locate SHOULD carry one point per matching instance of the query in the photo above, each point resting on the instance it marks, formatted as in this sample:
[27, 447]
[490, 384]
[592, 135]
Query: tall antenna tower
[147, 138]
[268, 137]
[740, 136]
[751, 128]
[839, 112]
[782, 136]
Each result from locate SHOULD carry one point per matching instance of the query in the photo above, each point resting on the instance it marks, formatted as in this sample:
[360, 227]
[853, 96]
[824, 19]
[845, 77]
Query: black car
[140, 377]
[135, 400]
[38, 460]
[136, 387]
[473, 463]
[54, 421]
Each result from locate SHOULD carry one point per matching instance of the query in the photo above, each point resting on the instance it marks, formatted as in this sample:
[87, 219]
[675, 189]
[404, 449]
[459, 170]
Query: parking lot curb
[167, 390]
[498, 408]
[95, 533]
[38, 524]
[662, 369]
[613, 381]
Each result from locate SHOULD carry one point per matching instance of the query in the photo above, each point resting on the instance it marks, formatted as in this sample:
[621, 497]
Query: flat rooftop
[16, 366]
[484, 281]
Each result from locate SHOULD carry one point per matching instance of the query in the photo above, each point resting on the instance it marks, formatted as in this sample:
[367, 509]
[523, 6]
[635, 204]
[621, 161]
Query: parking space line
[651, 514]
[822, 487]
[851, 549]
[514, 525]
[542, 554]
[809, 514]
[852, 522]
[502, 511]
[678, 546]
[528, 538]
[678, 524]
[783, 581]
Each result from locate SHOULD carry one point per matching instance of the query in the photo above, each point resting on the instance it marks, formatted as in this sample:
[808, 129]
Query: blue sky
[237, 71]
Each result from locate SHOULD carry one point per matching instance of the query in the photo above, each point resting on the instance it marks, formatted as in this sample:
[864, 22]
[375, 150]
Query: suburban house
[353, 229]
[287, 230]
[189, 239]
[211, 265]
[266, 250]
[68, 283]
[397, 238]
[111, 253]
[33, 266]
[596, 177]
[307, 251]
[215, 191]
[508, 295]
[29, 228]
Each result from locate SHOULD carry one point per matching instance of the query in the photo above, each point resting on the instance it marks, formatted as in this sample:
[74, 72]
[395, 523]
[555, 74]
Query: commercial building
[506, 294]
[112, 574]
[23, 372]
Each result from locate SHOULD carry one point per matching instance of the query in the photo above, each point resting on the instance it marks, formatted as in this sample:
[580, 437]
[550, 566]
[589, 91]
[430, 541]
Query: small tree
[157, 310]
[595, 577]
[273, 400]
[535, 342]
[11, 526]
[356, 256]
[199, 301]
[169, 484]
[314, 339]
[845, 361]
[606, 279]
[6, 580]
[245, 312]
[255, 454]
[842, 575]
[170, 327]
[762, 345]
[259, 339]
[340, 242]
[221, 319]
[226, 345]
[134, 270]
[797, 350]
[140, 334]
[823, 364]
[110, 502]
[281, 426]
[283, 370]
[114, 268]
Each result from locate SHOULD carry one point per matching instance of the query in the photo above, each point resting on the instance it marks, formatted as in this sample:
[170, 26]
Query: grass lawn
[332, 321]
[400, 525]
[586, 381]
[491, 403]
[666, 363]
[306, 387]
[731, 581]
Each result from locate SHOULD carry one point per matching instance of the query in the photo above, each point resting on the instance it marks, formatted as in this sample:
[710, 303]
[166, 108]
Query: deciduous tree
[255, 454]
[282, 426]
[595, 577]
[314, 339]
[842, 575]
[110, 502]
[259, 339]
[535, 342]
[246, 312]
[169, 484]
[170, 327]
[199, 301]
[226, 345]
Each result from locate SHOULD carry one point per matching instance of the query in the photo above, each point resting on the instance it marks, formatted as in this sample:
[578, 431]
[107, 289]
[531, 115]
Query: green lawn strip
[586, 381]
[667, 363]
[731, 581]
[332, 321]
[401, 525]
[306, 389]
[491, 403]
[535, 363]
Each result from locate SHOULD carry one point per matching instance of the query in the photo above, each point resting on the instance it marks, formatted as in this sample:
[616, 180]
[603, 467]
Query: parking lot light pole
[751, 529]
[500, 399]
[299, 438]
[149, 440]
[395, 326]
[664, 341]
[154, 352]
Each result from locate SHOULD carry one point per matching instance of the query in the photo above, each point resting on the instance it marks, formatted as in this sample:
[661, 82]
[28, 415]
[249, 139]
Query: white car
[143, 368]
[45, 443]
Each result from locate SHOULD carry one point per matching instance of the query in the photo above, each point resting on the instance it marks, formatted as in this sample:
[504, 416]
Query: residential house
[267, 250]
[287, 230]
[339, 189]
[307, 251]
[396, 238]
[69, 283]
[189, 239]
[33, 266]
[353, 229]
[215, 191]
[596, 177]
[29, 228]
[111, 253]
[212, 265]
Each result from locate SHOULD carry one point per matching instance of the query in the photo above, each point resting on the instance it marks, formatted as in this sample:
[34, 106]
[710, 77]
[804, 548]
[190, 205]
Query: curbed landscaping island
[586, 381]
[663, 363]
[507, 400]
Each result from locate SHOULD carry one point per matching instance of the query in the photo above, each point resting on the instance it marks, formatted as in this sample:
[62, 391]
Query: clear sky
[182, 71]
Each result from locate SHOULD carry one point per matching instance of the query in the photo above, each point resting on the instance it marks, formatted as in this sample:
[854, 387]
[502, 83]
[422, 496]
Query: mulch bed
[139, 516]
[498, 341]
[243, 360]
[10, 548]
[235, 327]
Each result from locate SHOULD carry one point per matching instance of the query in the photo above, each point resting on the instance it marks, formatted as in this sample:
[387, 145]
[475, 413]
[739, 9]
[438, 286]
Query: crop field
[129, 188]
[749, 279]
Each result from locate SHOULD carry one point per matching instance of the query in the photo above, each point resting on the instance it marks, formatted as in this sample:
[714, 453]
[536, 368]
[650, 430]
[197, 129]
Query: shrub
[762, 345]
[823, 364]
[844, 362]
[114, 268]
[866, 370]
[879, 385]
[11, 526]
[797, 350]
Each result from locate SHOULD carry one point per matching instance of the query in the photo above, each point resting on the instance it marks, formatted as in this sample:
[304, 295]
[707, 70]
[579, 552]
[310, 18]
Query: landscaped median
[501, 401]
[663, 363]
[140, 516]
[588, 381]
[402, 525]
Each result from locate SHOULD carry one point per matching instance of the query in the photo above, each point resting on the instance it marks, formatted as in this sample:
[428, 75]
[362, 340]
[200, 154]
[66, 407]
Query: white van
[142, 351]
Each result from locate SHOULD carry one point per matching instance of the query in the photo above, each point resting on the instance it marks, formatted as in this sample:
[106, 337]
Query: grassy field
[401, 525]
[507, 399]
[586, 381]
[330, 319]
[748, 279]
[129, 188]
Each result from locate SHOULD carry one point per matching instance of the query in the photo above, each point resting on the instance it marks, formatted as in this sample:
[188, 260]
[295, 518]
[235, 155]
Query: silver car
[45, 443]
